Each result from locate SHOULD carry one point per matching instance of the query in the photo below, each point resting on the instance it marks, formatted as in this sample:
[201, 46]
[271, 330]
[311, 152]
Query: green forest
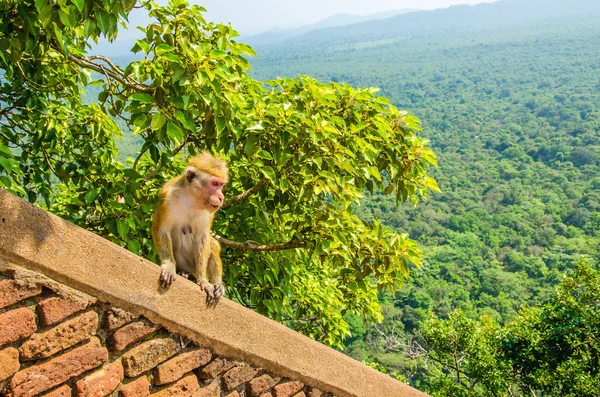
[426, 187]
[514, 118]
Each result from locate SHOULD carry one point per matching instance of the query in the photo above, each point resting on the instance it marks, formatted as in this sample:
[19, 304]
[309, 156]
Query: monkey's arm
[164, 246]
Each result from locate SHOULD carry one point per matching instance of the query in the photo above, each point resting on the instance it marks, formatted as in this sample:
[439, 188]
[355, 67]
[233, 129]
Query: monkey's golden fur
[210, 164]
[182, 223]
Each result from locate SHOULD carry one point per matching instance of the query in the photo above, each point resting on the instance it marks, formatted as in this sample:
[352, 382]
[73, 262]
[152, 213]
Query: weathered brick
[267, 394]
[39, 378]
[9, 362]
[63, 391]
[131, 333]
[148, 355]
[233, 394]
[261, 384]
[185, 387]
[16, 324]
[54, 310]
[301, 394]
[138, 388]
[216, 368]
[315, 393]
[287, 389]
[116, 318]
[178, 366]
[100, 383]
[63, 336]
[238, 375]
[212, 390]
[12, 291]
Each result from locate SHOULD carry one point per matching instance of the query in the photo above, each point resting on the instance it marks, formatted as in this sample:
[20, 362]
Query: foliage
[552, 350]
[301, 153]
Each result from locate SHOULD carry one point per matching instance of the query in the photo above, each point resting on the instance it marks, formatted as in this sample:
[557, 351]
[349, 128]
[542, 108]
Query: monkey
[181, 226]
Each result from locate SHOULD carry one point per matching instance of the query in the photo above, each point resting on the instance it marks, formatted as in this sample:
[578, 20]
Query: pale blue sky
[256, 16]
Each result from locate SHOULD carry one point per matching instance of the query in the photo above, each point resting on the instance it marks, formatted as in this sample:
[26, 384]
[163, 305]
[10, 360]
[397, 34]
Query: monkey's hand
[167, 274]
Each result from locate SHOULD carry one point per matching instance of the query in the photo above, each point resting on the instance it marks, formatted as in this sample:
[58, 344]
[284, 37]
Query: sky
[250, 17]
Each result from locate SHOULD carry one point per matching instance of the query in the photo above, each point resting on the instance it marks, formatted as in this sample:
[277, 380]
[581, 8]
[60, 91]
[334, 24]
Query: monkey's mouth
[215, 206]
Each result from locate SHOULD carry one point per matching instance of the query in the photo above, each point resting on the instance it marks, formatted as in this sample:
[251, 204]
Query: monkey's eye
[215, 183]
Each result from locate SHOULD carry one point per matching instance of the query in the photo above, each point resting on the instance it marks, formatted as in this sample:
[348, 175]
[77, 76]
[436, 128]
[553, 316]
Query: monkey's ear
[190, 173]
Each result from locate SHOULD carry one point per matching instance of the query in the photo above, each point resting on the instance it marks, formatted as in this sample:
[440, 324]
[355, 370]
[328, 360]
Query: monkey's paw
[210, 292]
[167, 277]
[219, 291]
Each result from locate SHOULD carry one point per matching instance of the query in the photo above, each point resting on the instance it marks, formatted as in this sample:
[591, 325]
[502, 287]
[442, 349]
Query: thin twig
[254, 246]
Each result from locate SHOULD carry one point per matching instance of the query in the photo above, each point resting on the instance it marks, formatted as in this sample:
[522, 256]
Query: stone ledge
[39, 241]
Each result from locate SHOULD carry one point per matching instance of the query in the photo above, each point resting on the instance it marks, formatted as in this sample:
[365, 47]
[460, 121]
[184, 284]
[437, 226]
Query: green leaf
[269, 173]
[158, 120]
[91, 195]
[78, 4]
[123, 228]
[174, 131]
[162, 48]
[141, 97]
[145, 47]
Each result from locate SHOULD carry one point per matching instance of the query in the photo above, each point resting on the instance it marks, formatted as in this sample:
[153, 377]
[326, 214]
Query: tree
[551, 350]
[301, 153]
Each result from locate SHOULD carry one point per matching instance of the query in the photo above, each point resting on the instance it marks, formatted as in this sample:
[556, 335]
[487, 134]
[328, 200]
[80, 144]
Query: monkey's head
[207, 174]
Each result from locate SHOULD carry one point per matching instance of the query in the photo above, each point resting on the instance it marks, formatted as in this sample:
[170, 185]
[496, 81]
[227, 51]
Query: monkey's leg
[215, 270]
[167, 261]
[202, 259]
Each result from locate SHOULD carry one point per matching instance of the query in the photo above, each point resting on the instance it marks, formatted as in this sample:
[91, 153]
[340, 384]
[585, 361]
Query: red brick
[131, 333]
[12, 291]
[301, 394]
[100, 383]
[63, 391]
[186, 387]
[138, 388]
[238, 375]
[258, 386]
[39, 378]
[54, 310]
[287, 389]
[267, 394]
[216, 368]
[148, 355]
[16, 324]
[212, 390]
[61, 337]
[176, 367]
[9, 362]
[116, 318]
[233, 394]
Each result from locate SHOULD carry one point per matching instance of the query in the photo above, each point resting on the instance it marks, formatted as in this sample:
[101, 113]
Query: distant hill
[278, 35]
[480, 16]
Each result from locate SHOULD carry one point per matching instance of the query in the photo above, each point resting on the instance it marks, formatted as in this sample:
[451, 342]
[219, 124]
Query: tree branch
[254, 246]
[89, 64]
[244, 195]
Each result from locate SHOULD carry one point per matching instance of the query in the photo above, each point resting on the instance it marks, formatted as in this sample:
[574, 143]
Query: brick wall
[62, 342]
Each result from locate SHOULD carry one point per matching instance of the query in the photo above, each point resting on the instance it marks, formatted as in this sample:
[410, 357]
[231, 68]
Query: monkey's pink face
[212, 192]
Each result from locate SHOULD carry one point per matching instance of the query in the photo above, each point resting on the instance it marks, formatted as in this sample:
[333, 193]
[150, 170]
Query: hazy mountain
[480, 16]
[278, 35]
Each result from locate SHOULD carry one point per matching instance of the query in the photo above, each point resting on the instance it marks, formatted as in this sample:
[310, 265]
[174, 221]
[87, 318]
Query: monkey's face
[208, 189]
[213, 192]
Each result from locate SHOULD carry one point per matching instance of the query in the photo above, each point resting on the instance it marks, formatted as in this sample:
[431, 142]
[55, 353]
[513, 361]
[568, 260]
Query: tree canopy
[301, 153]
